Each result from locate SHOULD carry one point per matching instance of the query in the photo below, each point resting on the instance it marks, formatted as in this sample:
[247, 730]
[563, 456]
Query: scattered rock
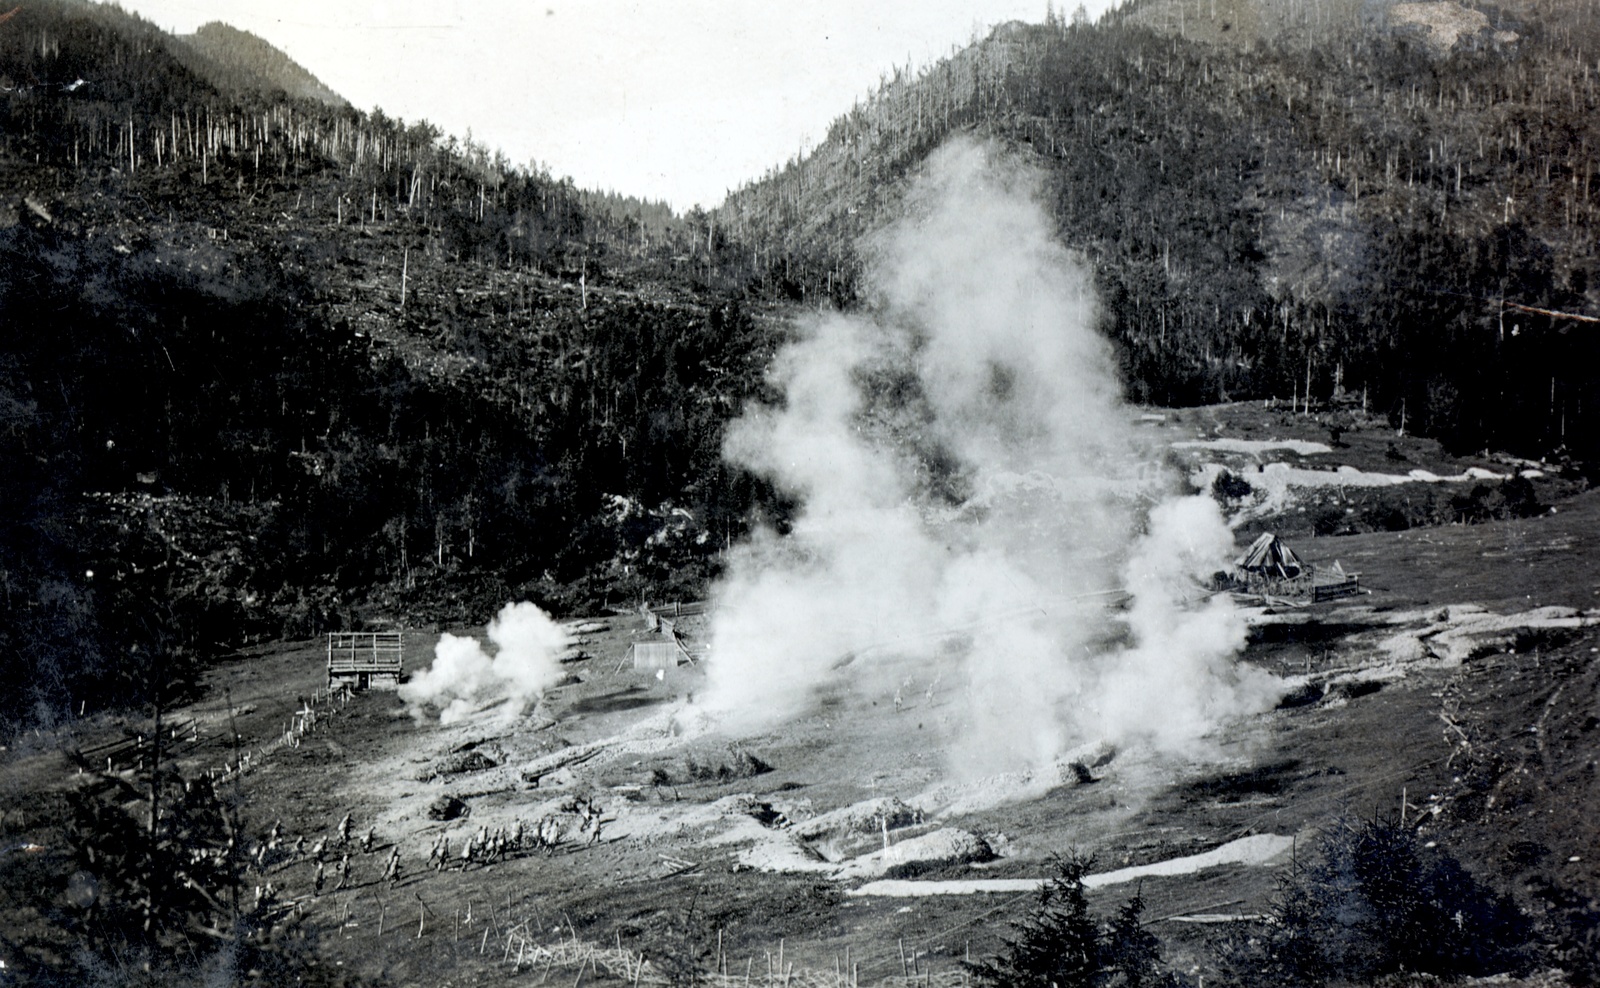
[1078, 765]
[750, 805]
[866, 817]
[723, 763]
[947, 846]
[447, 808]
[561, 778]
[1302, 695]
[536, 769]
[781, 854]
[38, 209]
[1351, 689]
[458, 764]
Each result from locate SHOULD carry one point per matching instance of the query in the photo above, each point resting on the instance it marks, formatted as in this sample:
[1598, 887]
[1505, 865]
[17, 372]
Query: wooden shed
[650, 656]
[365, 659]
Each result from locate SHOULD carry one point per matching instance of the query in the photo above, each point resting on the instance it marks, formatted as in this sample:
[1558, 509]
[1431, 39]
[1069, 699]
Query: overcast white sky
[667, 99]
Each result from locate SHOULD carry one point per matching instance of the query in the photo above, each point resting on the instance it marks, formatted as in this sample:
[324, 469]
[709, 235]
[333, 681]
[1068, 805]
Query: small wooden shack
[650, 656]
[666, 653]
[365, 659]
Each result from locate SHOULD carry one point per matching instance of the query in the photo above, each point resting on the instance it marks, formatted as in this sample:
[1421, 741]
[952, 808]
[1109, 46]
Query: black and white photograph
[942, 494]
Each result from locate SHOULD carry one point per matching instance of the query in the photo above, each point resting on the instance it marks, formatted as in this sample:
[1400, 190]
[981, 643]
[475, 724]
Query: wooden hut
[365, 659]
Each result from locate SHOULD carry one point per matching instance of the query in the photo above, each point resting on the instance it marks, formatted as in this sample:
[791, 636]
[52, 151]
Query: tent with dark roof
[1271, 557]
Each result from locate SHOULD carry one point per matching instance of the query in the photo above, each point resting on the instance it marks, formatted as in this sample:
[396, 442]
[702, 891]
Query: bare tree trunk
[155, 796]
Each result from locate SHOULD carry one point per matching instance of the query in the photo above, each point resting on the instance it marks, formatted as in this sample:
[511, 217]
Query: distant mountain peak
[244, 60]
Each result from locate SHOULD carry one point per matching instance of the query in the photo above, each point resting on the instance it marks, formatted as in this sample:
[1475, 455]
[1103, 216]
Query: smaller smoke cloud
[1177, 678]
[465, 679]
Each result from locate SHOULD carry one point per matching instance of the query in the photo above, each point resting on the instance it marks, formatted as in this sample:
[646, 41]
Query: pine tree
[1057, 945]
[1132, 954]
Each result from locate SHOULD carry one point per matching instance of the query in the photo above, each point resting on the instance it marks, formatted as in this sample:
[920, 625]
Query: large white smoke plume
[464, 679]
[971, 487]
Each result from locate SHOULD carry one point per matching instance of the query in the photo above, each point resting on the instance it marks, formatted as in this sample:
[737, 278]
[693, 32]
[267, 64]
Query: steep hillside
[309, 367]
[312, 367]
[1345, 204]
[247, 62]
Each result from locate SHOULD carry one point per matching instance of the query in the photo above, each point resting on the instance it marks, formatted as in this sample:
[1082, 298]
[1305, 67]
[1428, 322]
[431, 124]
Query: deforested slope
[1398, 207]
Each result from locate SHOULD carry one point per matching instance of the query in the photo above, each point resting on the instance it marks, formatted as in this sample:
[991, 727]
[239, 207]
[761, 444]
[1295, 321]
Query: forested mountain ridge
[274, 366]
[47, 45]
[1385, 199]
[255, 63]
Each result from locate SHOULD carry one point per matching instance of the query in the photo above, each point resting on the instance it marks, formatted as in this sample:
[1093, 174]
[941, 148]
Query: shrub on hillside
[1059, 945]
[1372, 901]
[1229, 486]
[1513, 497]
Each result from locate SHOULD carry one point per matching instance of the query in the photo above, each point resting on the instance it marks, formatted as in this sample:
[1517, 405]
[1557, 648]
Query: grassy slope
[1514, 802]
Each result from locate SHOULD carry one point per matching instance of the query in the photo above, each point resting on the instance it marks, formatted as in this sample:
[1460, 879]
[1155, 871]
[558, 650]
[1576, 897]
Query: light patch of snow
[1438, 637]
[1273, 486]
[1255, 850]
[1472, 633]
[1284, 475]
[1450, 635]
[1255, 447]
[906, 888]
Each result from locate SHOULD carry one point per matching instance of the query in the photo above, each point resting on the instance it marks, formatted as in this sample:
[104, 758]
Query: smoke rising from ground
[969, 481]
[464, 679]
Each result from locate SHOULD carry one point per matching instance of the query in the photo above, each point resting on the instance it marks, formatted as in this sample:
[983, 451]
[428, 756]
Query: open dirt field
[1463, 690]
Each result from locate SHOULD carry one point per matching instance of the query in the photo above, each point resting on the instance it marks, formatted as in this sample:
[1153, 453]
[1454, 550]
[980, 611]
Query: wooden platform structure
[365, 659]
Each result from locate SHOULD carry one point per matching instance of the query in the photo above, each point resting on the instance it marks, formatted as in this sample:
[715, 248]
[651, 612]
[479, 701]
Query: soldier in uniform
[391, 871]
